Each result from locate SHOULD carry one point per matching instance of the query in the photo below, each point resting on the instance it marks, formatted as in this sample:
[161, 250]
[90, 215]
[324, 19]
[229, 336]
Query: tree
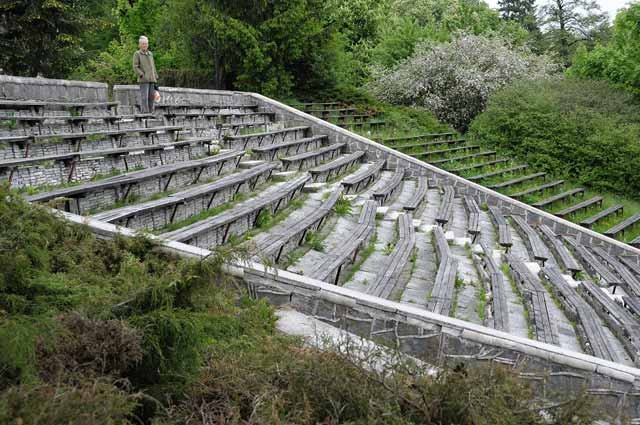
[40, 36]
[570, 22]
[521, 11]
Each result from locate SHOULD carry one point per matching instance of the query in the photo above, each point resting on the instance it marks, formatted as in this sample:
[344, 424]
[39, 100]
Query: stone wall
[25, 88]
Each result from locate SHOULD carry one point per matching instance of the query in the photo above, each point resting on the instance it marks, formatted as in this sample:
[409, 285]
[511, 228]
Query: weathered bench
[419, 195]
[270, 152]
[617, 317]
[216, 230]
[592, 264]
[417, 137]
[504, 232]
[615, 209]
[305, 160]
[318, 104]
[479, 165]
[37, 107]
[104, 193]
[430, 153]
[441, 298]
[537, 189]
[279, 244]
[473, 217]
[159, 213]
[371, 124]
[497, 173]
[347, 252]
[328, 170]
[620, 228]
[631, 263]
[445, 210]
[385, 193]
[517, 181]
[537, 301]
[591, 202]
[388, 283]
[563, 255]
[592, 335]
[629, 281]
[462, 158]
[428, 145]
[558, 197]
[324, 113]
[532, 239]
[250, 141]
[359, 180]
[632, 303]
[498, 294]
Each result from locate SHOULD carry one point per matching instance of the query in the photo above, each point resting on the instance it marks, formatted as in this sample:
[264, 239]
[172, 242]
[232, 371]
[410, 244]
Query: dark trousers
[146, 97]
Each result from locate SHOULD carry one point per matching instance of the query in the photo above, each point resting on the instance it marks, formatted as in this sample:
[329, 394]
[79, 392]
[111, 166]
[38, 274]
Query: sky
[610, 6]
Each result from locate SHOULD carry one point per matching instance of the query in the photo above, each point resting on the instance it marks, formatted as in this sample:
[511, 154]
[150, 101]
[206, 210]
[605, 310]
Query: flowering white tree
[454, 79]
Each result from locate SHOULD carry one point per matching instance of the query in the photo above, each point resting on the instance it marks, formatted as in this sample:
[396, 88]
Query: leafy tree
[617, 61]
[40, 36]
[521, 11]
[455, 79]
[570, 22]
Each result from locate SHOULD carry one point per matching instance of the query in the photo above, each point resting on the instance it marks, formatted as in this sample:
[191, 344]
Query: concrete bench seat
[562, 254]
[629, 281]
[84, 165]
[330, 268]
[361, 179]
[592, 264]
[620, 228]
[504, 231]
[620, 320]
[479, 165]
[103, 193]
[388, 283]
[617, 209]
[430, 153]
[428, 145]
[462, 157]
[596, 201]
[250, 141]
[427, 136]
[532, 239]
[473, 217]
[216, 230]
[440, 300]
[445, 210]
[537, 301]
[559, 197]
[517, 181]
[159, 213]
[305, 160]
[279, 244]
[498, 172]
[386, 193]
[593, 337]
[419, 195]
[499, 300]
[271, 152]
[328, 170]
[537, 189]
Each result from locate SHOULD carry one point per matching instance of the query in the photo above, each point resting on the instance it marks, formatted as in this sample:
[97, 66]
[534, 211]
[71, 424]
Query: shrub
[585, 130]
[455, 79]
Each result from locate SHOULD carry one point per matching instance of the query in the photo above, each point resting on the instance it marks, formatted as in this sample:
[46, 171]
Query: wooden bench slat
[624, 225]
[445, 210]
[462, 158]
[497, 173]
[615, 209]
[558, 197]
[419, 195]
[562, 253]
[480, 165]
[363, 178]
[592, 263]
[504, 231]
[532, 239]
[537, 189]
[385, 193]
[596, 200]
[519, 180]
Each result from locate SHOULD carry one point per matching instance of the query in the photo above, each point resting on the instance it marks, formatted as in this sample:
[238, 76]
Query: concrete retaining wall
[25, 88]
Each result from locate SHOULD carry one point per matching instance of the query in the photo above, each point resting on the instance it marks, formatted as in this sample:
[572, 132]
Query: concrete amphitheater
[343, 230]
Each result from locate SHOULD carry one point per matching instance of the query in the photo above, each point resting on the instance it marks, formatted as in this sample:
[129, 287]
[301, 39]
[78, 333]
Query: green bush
[581, 129]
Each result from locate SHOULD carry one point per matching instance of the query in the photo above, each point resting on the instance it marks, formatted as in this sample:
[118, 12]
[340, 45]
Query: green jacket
[144, 67]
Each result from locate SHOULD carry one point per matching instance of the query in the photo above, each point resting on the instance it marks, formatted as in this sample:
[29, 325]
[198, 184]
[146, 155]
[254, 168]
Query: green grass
[342, 207]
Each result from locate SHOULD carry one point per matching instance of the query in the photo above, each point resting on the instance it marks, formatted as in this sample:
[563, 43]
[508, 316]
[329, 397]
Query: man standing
[145, 69]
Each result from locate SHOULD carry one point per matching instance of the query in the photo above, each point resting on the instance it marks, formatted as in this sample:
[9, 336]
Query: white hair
[143, 38]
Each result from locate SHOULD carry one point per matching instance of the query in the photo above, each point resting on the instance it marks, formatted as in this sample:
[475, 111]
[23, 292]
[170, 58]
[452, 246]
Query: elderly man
[145, 69]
